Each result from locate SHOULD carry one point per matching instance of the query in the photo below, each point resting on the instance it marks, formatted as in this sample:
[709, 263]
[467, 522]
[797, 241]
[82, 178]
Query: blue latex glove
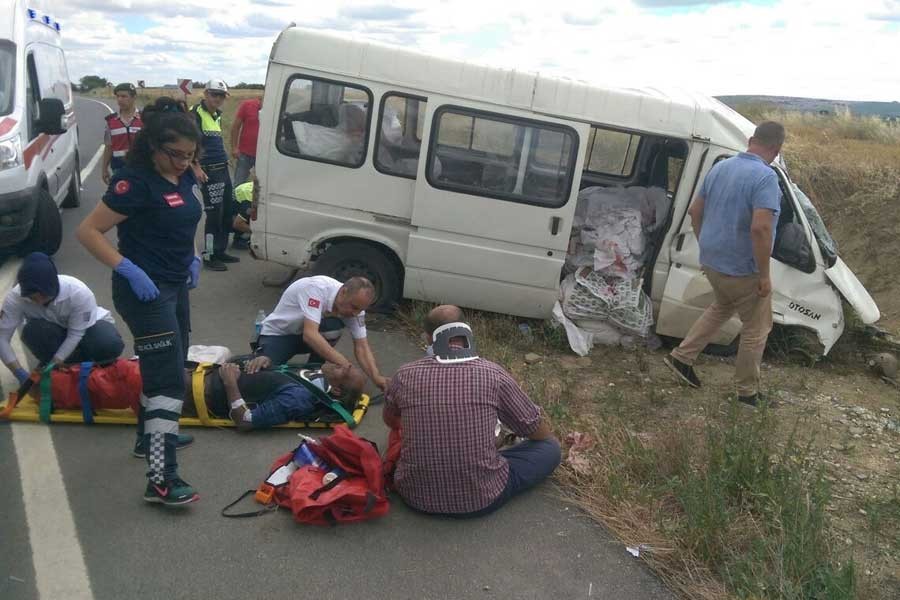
[194, 276]
[22, 375]
[142, 286]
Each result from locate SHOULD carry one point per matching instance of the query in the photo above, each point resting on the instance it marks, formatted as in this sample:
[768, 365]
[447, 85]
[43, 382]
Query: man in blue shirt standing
[734, 217]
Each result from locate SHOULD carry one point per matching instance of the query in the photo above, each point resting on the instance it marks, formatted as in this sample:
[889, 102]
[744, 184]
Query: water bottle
[260, 317]
[209, 247]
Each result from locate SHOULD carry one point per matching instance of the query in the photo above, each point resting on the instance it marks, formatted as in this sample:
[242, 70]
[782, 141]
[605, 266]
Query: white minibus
[456, 183]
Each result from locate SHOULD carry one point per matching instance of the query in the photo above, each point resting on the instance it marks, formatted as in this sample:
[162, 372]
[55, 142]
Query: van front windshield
[826, 243]
[7, 76]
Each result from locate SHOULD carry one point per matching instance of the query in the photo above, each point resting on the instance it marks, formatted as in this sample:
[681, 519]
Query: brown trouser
[733, 295]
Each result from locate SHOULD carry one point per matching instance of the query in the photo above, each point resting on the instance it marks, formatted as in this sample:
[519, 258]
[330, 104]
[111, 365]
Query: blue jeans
[245, 162]
[530, 462]
[281, 348]
[289, 403]
[101, 342]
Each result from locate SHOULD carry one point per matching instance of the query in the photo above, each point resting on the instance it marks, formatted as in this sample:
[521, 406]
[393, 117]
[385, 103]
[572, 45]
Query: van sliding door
[493, 208]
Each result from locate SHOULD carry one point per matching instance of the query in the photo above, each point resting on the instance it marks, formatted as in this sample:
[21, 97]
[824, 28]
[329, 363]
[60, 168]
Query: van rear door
[493, 208]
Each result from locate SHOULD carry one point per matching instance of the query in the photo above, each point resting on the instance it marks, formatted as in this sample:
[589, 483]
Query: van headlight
[10, 153]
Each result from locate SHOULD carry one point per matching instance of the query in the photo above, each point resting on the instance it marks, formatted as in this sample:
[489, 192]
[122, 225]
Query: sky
[812, 48]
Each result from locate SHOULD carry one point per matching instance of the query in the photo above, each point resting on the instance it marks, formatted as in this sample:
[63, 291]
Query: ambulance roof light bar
[46, 20]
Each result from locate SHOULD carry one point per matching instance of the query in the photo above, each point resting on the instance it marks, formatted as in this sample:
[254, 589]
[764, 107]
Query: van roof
[672, 112]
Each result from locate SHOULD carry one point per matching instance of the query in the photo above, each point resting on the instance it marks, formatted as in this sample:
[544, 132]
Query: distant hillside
[888, 110]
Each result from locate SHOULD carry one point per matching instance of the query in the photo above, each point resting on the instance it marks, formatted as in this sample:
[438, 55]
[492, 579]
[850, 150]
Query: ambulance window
[501, 157]
[7, 76]
[325, 121]
[399, 135]
[52, 75]
[32, 97]
[611, 152]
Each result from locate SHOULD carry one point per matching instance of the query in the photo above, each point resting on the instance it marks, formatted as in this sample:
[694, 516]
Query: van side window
[52, 75]
[502, 157]
[32, 97]
[325, 121]
[611, 152]
[397, 146]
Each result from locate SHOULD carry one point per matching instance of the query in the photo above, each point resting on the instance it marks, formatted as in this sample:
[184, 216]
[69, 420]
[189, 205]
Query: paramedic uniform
[281, 336]
[72, 328]
[243, 196]
[218, 193]
[158, 236]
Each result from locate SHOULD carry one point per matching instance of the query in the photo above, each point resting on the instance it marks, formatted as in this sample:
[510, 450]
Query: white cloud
[820, 48]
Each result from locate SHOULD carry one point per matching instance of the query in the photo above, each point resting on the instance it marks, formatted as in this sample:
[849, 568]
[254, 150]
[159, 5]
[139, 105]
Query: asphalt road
[537, 547]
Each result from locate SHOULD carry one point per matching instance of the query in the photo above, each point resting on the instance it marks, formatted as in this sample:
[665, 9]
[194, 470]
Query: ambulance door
[495, 197]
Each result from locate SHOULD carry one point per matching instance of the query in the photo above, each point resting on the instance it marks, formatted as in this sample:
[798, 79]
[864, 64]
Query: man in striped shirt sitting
[443, 410]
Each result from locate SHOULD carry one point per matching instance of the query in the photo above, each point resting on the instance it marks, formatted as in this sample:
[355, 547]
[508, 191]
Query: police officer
[62, 320]
[155, 203]
[243, 196]
[121, 129]
[212, 172]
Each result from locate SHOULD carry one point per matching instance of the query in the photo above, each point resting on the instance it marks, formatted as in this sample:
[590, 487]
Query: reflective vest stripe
[119, 152]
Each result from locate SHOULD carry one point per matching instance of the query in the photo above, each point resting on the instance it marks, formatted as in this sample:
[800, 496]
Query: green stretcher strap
[320, 395]
[46, 403]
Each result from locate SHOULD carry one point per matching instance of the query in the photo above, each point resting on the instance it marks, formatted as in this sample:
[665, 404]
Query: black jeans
[101, 341]
[281, 348]
[219, 205]
[161, 330]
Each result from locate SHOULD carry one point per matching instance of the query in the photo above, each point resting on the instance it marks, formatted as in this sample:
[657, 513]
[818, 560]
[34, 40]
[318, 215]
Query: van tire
[73, 198]
[46, 232]
[348, 259]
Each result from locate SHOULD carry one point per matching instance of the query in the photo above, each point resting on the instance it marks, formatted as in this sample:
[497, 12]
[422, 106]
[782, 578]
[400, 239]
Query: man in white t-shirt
[62, 320]
[309, 319]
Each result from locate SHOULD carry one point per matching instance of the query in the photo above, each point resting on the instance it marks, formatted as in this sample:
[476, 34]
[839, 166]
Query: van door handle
[679, 243]
[555, 222]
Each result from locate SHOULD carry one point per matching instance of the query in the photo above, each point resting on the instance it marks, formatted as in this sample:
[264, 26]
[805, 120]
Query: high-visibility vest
[121, 136]
[210, 124]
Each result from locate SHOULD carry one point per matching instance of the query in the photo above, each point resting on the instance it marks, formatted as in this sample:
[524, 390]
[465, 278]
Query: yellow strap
[197, 386]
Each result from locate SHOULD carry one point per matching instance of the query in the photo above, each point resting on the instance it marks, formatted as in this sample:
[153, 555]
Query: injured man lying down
[269, 398]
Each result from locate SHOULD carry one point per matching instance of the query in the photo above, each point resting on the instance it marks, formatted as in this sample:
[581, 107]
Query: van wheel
[349, 259]
[46, 233]
[73, 198]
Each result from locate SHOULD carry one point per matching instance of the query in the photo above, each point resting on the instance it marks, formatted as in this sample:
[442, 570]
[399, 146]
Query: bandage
[238, 403]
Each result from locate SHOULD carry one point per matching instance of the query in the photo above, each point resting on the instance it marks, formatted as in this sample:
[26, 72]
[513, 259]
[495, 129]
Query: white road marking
[55, 550]
[85, 172]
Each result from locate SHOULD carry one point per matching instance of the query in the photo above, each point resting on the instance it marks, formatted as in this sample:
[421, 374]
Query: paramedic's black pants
[101, 341]
[161, 329]
[281, 348]
[219, 206]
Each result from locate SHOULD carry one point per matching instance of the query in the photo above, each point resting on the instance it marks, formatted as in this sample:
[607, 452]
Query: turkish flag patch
[314, 303]
[123, 186]
[173, 199]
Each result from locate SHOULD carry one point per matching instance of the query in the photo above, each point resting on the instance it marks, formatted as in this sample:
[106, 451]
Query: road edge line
[56, 553]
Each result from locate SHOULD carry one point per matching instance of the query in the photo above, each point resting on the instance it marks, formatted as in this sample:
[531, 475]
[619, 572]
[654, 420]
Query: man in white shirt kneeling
[62, 320]
[309, 319]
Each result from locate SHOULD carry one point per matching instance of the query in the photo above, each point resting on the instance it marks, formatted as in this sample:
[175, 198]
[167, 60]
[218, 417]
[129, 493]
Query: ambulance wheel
[46, 233]
[349, 259]
[73, 198]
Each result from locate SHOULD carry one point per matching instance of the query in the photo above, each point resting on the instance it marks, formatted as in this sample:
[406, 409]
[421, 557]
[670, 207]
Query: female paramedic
[155, 203]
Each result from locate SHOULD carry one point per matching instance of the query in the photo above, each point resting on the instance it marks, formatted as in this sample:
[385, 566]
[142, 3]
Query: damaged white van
[509, 191]
[39, 168]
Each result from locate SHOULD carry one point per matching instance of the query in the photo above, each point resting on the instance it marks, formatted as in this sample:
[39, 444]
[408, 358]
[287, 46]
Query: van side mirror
[51, 117]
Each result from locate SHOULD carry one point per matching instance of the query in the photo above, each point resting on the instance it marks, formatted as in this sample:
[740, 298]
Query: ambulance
[39, 162]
